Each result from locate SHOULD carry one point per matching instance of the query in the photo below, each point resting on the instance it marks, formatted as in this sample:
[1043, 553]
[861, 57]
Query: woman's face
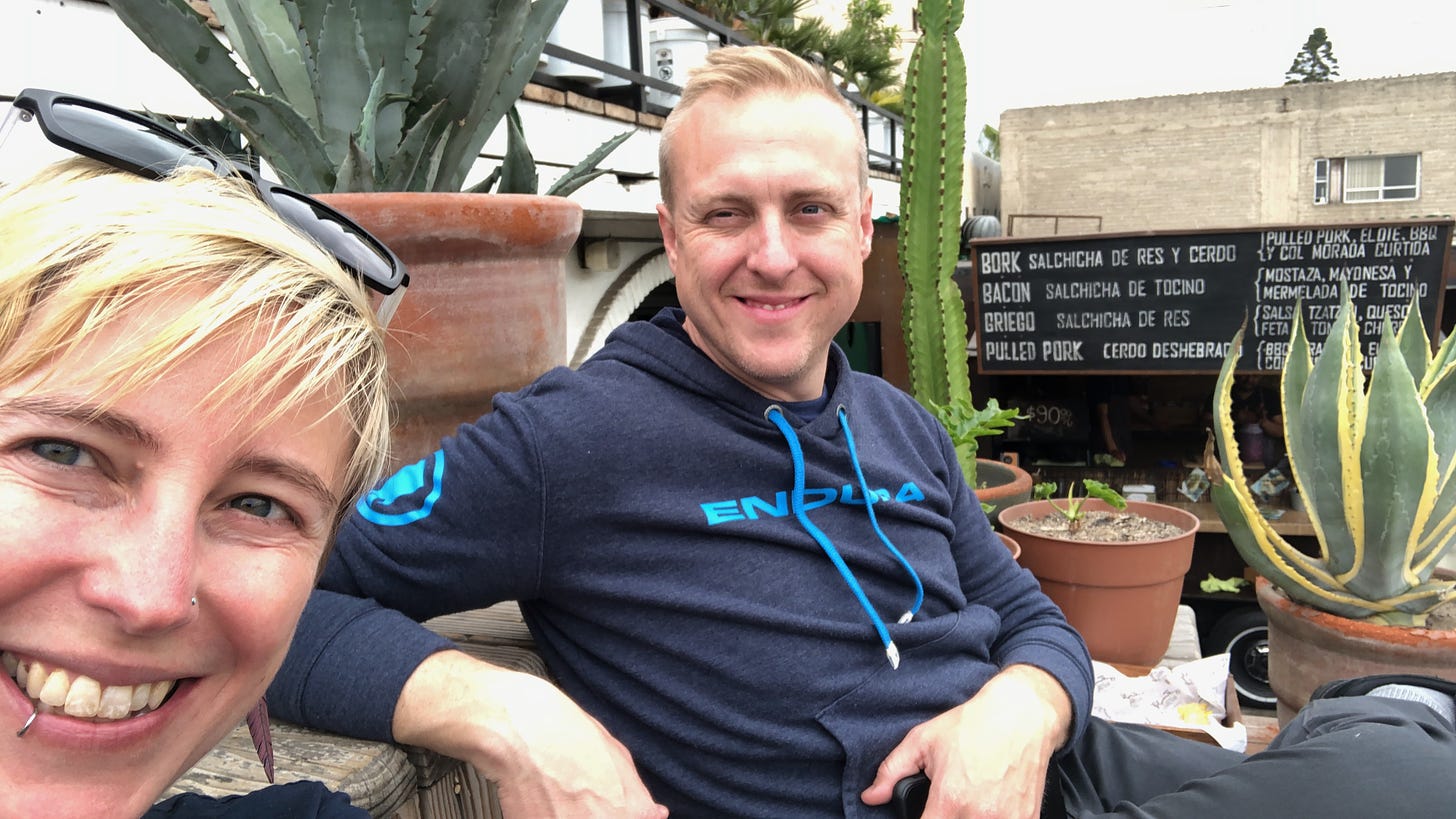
[109, 527]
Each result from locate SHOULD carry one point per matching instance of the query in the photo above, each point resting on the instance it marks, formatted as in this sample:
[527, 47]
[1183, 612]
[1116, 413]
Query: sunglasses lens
[354, 248]
[146, 148]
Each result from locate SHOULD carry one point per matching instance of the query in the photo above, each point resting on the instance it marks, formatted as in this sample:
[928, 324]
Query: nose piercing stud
[26, 726]
[194, 602]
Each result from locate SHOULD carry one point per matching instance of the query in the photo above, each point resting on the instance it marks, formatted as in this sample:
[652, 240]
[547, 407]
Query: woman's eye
[259, 506]
[64, 453]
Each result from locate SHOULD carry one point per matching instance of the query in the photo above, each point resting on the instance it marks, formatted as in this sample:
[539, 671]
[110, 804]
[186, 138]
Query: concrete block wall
[1225, 159]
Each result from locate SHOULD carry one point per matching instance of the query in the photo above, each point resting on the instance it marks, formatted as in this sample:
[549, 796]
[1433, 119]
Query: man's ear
[669, 235]
[867, 224]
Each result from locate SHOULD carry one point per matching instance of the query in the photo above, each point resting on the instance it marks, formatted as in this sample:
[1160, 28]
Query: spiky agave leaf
[1327, 433]
[1303, 577]
[1438, 395]
[1396, 478]
[586, 170]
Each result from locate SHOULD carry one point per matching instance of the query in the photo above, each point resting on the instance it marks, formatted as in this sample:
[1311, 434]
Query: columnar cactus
[933, 315]
[1376, 467]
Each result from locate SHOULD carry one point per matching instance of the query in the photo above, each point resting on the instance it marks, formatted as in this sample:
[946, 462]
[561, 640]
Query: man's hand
[987, 757]
[548, 757]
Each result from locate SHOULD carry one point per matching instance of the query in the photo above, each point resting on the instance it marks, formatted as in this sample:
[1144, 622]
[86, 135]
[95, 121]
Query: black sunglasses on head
[147, 148]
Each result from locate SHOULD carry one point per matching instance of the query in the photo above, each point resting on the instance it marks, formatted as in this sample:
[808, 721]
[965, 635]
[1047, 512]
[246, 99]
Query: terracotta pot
[1121, 597]
[1001, 485]
[485, 311]
[1011, 544]
[1309, 647]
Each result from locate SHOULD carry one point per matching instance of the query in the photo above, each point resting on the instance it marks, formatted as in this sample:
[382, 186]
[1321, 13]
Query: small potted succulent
[1375, 464]
[1115, 567]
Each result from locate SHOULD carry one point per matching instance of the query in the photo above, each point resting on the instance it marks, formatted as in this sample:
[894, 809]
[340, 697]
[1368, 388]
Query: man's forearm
[463, 707]
[1046, 702]
[548, 757]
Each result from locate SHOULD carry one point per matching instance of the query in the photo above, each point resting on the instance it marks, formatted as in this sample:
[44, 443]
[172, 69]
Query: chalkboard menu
[1171, 302]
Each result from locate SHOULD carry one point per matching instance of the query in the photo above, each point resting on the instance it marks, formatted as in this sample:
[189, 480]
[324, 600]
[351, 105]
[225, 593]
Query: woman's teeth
[80, 696]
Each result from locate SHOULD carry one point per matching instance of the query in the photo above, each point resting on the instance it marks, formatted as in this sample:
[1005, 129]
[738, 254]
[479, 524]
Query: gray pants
[1341, 757]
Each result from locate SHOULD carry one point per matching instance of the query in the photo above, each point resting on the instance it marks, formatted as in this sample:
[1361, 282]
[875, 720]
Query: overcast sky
[1028, 53]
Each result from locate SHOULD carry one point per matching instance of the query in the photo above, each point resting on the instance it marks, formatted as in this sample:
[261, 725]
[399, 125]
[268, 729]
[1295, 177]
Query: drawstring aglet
[906, 617]
[894, 655]
[26, 726]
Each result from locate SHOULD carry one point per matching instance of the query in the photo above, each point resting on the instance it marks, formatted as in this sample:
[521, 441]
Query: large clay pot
[1309, 647]
[485, 310]
[1001, 485]
[1121, 597]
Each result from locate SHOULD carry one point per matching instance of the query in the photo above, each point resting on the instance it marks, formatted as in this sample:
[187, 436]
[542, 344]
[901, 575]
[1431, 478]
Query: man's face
[767, 235]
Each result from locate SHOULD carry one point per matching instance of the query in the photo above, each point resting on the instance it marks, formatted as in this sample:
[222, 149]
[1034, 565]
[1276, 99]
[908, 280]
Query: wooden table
[1290, 523]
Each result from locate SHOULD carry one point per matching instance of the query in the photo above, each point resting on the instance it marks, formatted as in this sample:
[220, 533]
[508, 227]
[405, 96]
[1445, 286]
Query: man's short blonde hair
[85, 242]
[739, 71]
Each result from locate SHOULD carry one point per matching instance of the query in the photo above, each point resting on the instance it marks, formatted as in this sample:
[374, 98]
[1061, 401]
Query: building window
[1367, 178]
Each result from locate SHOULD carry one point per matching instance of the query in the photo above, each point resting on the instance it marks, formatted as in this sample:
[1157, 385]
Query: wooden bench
[401, 782]
[389, 781]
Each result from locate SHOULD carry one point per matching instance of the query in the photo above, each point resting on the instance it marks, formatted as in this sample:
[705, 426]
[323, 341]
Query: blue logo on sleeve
[406, 496]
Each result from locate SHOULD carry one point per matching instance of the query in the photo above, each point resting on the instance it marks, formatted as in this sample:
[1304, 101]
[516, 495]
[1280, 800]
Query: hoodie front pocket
[935, 675]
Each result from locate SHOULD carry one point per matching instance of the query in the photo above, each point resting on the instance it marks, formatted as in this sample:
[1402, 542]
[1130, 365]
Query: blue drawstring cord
[775, 414]
[870, 498]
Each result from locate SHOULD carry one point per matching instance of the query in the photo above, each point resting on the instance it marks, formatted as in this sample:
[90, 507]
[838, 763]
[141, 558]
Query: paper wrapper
[1193, 697]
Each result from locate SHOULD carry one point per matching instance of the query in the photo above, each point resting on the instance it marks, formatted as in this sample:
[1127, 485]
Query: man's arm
[387, 678]
[548, 757]
[363, 670]
[1109, 438]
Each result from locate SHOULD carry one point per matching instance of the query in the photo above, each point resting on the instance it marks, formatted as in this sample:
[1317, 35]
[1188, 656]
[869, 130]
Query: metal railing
[884, 130]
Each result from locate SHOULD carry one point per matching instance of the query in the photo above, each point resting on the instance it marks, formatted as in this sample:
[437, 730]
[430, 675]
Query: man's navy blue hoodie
[731, 629]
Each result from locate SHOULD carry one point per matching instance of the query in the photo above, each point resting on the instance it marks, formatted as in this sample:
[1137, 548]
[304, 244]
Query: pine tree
[989, 142]
[1315, 62]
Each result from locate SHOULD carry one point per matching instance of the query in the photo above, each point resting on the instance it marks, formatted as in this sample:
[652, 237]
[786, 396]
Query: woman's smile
[56, 690]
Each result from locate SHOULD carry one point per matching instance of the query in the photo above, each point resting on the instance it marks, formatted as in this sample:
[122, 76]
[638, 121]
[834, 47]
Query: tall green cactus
[930, 202]
[933, 315]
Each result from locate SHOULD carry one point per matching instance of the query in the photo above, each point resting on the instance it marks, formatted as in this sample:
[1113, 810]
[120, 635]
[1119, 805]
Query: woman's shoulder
[304, 800]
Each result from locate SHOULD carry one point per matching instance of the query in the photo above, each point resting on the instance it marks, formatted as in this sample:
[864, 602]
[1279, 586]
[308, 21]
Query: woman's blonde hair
[84, 243]
[738, 71]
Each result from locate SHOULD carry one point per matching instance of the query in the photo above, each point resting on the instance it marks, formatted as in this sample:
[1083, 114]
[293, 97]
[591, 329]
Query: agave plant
[370, 95]
[1374, 464]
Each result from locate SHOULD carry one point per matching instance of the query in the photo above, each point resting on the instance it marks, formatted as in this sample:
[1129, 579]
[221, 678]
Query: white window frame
[1330, 177]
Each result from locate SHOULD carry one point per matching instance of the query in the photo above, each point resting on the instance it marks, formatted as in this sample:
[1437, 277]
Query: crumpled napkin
[1188, 696]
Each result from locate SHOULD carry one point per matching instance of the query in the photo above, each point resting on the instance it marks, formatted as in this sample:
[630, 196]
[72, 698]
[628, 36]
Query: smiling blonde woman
[192, 391]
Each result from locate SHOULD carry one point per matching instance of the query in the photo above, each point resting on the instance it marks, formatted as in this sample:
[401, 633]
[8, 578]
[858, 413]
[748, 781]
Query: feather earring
[262, 736]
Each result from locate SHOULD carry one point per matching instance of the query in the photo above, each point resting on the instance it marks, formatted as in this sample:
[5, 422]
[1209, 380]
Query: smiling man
[684, 520]
[766, 238]
[758, 576]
